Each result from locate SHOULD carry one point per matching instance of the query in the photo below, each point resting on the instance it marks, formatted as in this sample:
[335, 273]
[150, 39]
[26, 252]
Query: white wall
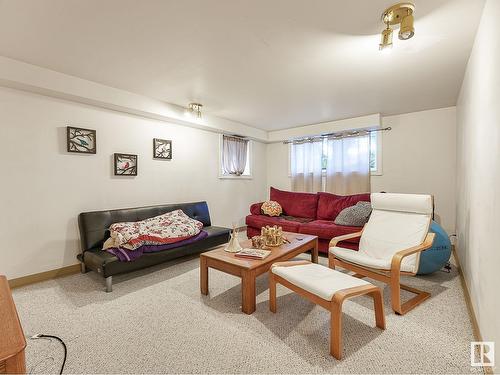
[418, 156]
[478, 181]
[43, 187]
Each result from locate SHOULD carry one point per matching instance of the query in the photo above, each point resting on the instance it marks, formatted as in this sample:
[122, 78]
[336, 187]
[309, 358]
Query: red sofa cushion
[259, 221]
[296, 204]
[330, 205]
[255, 209]
[326, 229]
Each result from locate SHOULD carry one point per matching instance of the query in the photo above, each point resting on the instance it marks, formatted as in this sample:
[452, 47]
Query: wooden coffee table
[249, 269]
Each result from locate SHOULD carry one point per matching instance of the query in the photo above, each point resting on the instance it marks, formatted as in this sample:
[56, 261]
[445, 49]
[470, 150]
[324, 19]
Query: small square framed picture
[162, 149]
[81, 140]
[125, 165]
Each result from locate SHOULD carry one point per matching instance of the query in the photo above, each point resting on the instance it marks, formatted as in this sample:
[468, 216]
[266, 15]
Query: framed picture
[81, 140]
[125, 165]
[162, 149]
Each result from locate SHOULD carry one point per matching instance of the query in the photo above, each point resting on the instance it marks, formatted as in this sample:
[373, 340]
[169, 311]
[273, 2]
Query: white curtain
[306, 161]
[234, 155]
[348, 165]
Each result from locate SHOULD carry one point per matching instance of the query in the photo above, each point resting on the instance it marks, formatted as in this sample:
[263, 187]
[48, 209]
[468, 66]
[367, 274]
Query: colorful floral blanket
[125, 255]
[163, 229]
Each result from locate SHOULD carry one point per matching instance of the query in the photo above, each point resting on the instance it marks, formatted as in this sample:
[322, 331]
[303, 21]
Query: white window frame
[377, 172]
[248, 176]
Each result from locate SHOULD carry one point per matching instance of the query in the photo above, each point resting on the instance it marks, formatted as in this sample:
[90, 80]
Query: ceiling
[271, 64]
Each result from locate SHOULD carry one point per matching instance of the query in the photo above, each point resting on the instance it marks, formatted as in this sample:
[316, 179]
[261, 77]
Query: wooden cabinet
[12, 341]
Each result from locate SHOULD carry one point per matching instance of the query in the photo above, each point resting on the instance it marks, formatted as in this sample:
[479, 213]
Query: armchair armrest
[255, 208]
[398, 257]
[335, 240]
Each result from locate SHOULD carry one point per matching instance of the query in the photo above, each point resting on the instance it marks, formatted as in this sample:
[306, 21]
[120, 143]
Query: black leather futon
[94, 230]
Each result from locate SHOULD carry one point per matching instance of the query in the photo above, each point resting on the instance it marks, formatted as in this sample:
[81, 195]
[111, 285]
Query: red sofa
[307, 213]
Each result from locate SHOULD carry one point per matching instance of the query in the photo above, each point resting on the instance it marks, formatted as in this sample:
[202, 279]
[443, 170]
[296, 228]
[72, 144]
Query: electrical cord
[39, 336]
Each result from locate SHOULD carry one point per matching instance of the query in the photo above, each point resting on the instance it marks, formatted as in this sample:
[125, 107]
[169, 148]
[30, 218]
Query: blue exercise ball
[434, 258]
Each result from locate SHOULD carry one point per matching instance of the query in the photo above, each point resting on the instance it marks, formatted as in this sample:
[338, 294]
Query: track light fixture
[194, 109]
[399, 14]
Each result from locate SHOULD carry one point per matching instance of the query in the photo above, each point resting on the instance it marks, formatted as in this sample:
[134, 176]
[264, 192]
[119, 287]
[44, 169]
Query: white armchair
[390, 244]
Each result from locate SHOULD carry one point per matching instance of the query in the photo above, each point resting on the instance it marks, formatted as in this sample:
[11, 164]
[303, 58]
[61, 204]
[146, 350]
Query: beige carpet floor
[156, 321]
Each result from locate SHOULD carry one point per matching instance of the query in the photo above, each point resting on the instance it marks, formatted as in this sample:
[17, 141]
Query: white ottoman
[327, 288]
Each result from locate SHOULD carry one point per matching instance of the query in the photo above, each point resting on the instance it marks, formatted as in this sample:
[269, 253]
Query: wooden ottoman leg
[336, 330]
[272, 292]
[378, 304]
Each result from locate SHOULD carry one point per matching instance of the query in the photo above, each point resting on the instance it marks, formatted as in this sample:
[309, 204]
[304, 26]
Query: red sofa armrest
[255, 208]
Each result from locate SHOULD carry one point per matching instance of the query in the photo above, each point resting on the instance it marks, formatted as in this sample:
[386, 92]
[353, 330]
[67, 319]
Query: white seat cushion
[388, 232]
[355, 257]
[318, 280]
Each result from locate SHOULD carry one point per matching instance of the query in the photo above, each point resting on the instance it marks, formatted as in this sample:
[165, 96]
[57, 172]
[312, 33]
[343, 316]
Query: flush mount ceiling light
[194, 109]
[399, 14]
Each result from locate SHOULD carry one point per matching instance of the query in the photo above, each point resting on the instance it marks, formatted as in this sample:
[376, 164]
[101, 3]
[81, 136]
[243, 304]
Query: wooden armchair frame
[391, 277]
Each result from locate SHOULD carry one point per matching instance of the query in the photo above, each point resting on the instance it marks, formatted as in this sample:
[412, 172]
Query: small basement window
[375, 155]
[235, 157]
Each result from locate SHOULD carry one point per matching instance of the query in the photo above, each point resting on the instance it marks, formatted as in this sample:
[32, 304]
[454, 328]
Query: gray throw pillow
[354, 216]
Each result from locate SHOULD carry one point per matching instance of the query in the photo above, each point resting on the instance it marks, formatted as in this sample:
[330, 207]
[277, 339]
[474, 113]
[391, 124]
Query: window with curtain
[375, 154]
[338, 165]
[235, 156]
[306, 165]
[348, 165]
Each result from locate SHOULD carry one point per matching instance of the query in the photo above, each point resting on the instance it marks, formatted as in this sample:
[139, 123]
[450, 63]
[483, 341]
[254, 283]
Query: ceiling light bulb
[407, 30]
[386, 39]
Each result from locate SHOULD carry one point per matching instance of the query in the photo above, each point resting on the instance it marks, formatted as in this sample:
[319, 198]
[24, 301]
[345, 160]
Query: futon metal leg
[83, 269]
[109, 284]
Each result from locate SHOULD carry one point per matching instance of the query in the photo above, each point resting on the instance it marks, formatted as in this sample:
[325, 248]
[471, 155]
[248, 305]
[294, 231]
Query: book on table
[253, 253]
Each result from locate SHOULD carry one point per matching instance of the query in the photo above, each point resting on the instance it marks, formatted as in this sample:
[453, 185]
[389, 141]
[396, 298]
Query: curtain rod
[339, 135]
[235, 136]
